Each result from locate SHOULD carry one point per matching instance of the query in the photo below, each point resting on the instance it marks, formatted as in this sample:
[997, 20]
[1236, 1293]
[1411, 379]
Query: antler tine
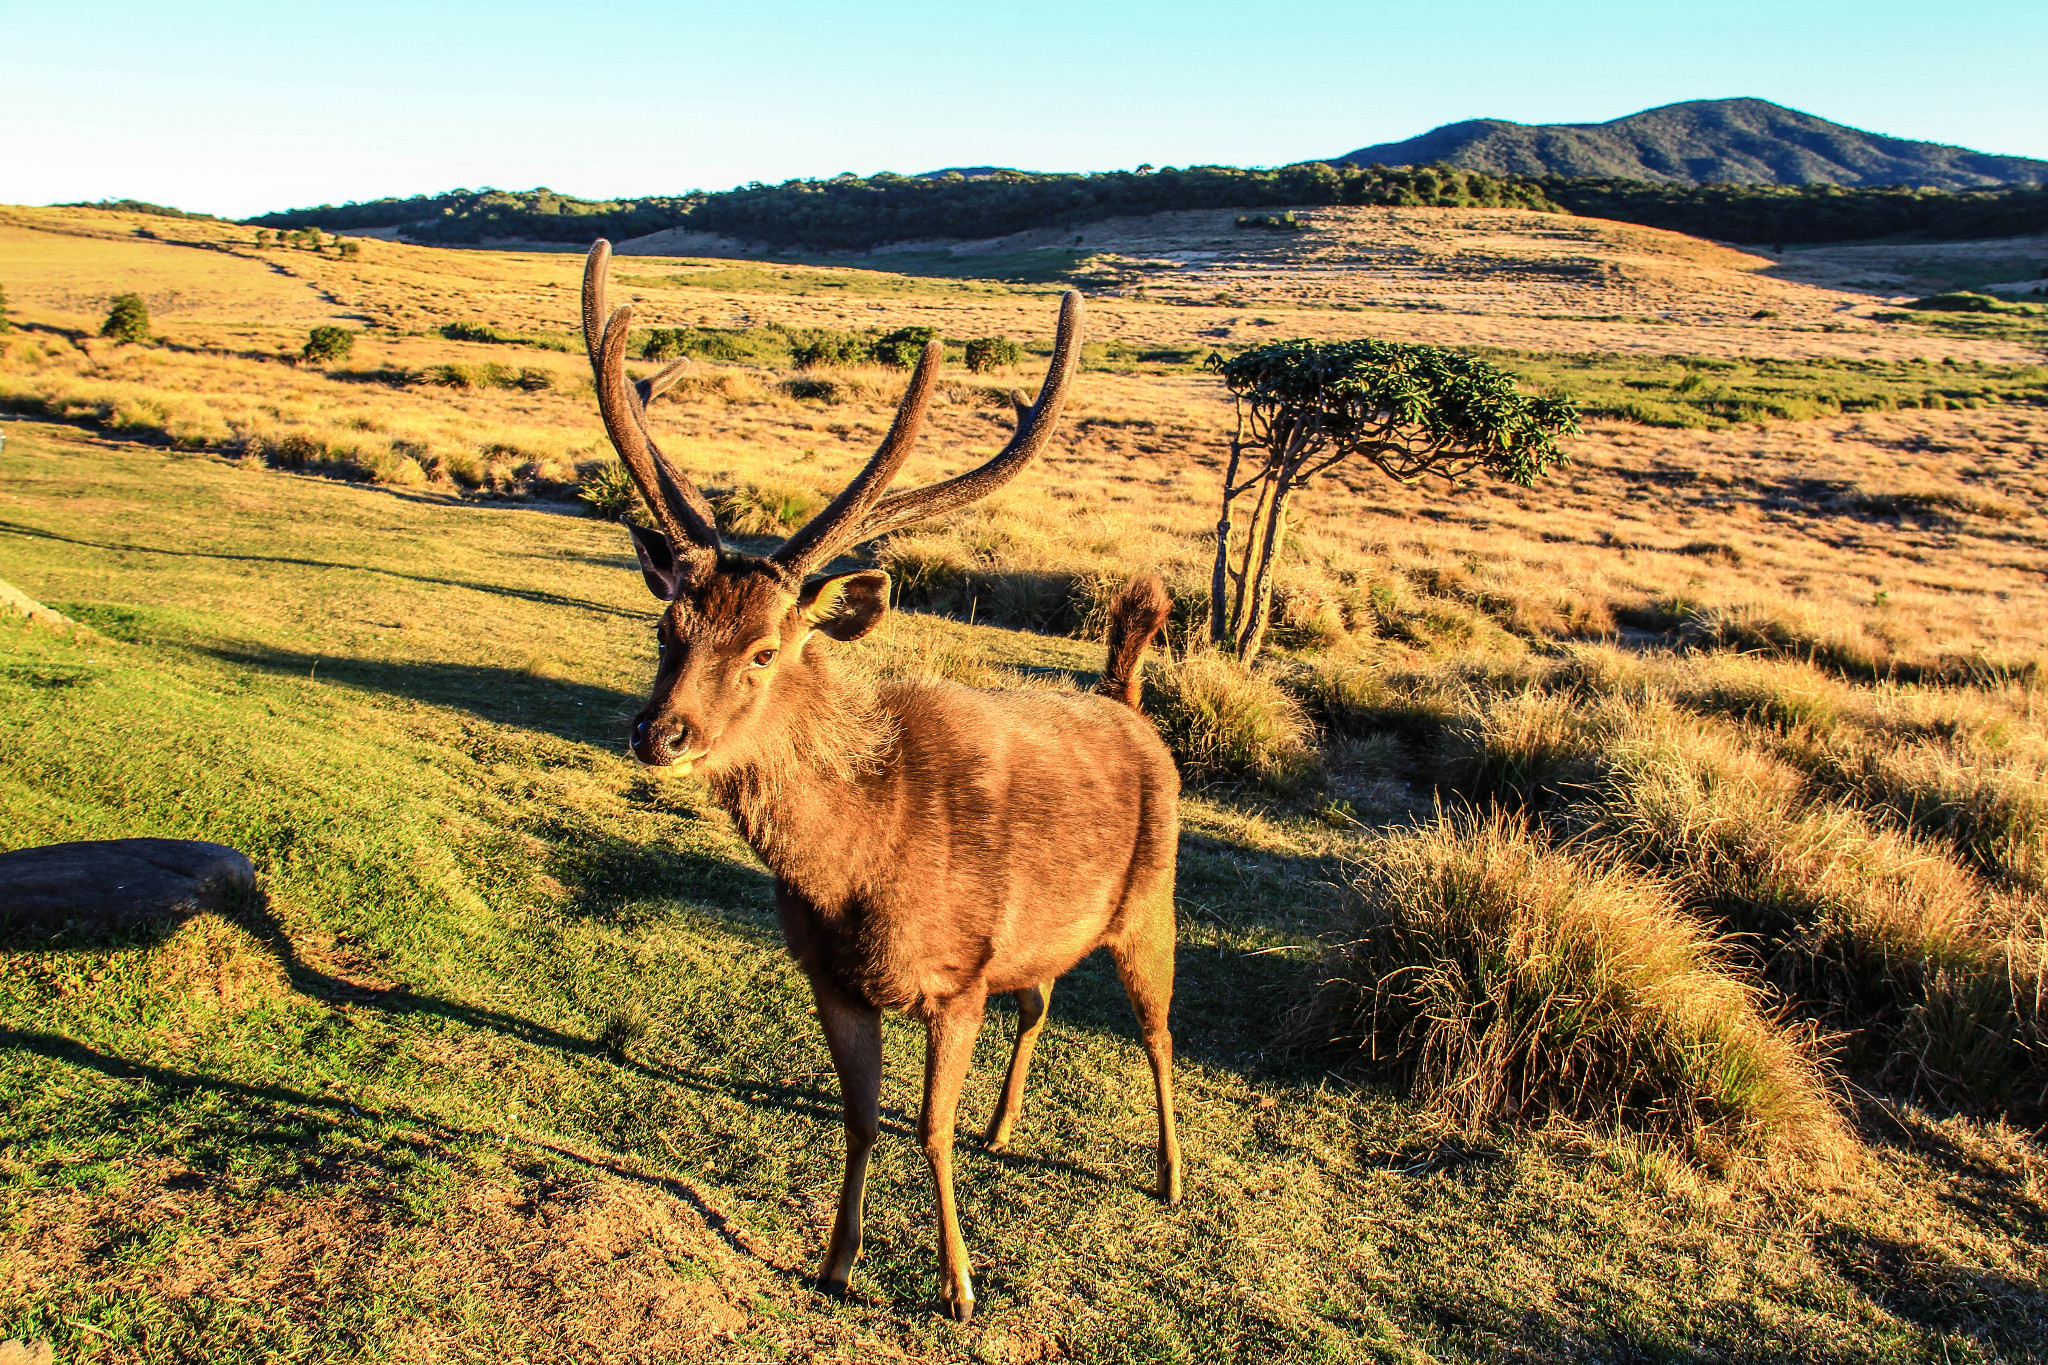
[596, 269]
[833, 529]
[683, 514]
[1034, 429]
[684, 525]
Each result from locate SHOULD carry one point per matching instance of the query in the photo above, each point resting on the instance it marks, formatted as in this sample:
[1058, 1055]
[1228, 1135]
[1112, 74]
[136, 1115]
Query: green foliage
[903, 347]
[325, 345]
[609, 491]
[127, 320]
[5, 325]
[478, 332]
[1963, 301]
[487, 376]
[823, 346]
[141, 206]
[1274, 222]
[992, 353]
[1413, 409]
[350, 251]
[1804, 213]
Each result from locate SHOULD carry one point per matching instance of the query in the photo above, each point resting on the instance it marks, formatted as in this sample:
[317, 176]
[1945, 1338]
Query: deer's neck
[802, 795]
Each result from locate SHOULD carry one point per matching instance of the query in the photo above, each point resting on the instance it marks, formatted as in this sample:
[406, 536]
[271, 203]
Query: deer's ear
[657, 562]
[846, 606]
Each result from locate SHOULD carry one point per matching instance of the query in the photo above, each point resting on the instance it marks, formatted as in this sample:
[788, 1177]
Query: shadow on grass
[580, 712]
[344, 1115]
[534, 595]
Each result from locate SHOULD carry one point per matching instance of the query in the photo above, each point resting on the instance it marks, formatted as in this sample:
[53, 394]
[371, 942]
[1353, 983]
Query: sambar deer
[931, 843]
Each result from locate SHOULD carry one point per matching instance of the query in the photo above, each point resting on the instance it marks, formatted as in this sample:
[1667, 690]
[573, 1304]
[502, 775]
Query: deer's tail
[1138, 612]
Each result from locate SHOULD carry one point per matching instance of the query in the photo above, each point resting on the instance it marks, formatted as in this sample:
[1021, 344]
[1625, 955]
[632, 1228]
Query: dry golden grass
[1507, 980]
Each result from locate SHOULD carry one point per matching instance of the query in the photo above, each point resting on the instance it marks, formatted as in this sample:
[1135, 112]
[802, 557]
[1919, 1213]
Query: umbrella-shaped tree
[1413, 412]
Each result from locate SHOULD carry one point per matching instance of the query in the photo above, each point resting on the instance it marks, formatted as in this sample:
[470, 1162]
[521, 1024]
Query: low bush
[127, 320]
[1963, 301]
[1274, 222]
[984, 354]
[487, 376]
[1501, 978]
[901, 348]
[5, 325]
[823, 346]
[325, 345]
[1224, 720]
[609, 491]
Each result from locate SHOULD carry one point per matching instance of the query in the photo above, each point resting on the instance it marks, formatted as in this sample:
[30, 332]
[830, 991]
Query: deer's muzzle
[660, 742]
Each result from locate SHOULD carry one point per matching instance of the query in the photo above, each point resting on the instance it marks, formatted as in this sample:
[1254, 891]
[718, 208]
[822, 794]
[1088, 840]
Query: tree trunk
[1219, 578]
[1254, 634]
[1244, 564]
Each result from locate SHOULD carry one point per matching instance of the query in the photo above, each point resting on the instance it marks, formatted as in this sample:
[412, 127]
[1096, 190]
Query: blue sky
[237, 107]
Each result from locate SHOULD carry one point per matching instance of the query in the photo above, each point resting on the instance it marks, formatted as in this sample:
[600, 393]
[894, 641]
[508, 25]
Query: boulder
[117, 883]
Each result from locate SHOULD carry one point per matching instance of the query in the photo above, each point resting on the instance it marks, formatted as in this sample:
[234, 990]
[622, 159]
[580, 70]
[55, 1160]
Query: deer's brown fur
[932, 844]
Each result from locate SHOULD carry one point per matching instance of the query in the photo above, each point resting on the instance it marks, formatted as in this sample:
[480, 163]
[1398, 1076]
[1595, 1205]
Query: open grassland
[1612, 921]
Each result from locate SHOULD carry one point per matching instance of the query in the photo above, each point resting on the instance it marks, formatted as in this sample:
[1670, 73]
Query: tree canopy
[1411, 411]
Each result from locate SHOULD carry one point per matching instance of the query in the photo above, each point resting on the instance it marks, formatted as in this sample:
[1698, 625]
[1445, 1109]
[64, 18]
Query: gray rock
[117, 883]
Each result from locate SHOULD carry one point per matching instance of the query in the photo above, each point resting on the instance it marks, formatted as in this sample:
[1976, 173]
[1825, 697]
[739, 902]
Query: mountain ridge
[1697, 142]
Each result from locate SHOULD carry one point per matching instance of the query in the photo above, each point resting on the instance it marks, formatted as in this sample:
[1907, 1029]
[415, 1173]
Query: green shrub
[1222, 720]
[325, 345]
[1274, 222]
[5, 325]
[609, 491]
[824, 346]
[1505, 979]
[1962, 301]
[128, 320]
[903, 347]
[991, 353]
[349, 251]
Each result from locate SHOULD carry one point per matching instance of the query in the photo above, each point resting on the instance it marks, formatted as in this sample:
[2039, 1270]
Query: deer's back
[1013, 830]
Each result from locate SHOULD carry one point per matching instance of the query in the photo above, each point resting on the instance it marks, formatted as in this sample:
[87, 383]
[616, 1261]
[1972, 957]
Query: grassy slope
[371, 1119]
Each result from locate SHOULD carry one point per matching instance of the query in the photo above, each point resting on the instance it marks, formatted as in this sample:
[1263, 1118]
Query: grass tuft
[1224, 720]
[1501, 978]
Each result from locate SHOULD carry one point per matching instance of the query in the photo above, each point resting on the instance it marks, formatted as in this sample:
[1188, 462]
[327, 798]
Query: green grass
[508, 998]
[1709, 392]
[2024, 324]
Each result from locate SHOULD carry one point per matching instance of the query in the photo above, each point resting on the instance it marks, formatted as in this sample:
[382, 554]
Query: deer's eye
[764, 658]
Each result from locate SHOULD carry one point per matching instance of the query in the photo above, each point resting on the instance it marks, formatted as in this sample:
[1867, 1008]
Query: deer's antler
[681, 511]
[863, 512]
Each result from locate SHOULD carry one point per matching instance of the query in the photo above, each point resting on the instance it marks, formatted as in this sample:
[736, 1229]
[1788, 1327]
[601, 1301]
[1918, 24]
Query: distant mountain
[1744, 142]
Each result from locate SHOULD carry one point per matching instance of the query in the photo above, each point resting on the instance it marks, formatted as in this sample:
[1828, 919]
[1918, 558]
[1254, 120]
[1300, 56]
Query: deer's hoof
[959, 1310]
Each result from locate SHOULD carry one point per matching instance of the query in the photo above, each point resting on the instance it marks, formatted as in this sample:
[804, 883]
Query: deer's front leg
[853, 1031]
[949, 1046]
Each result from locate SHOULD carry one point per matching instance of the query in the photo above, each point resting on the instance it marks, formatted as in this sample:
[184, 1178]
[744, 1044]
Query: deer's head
[739, 634]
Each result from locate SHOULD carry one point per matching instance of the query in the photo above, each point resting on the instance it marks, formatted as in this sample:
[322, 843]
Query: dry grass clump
[1504, 979]
[768, 508]
[1225, 720]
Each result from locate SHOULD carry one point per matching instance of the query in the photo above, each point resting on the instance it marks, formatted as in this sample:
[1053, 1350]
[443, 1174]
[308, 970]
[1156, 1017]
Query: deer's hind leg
[1144, 962]
[1033, 1003]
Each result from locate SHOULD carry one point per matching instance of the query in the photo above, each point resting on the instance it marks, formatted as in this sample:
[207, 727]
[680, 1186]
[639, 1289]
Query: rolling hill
[1735, 141]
